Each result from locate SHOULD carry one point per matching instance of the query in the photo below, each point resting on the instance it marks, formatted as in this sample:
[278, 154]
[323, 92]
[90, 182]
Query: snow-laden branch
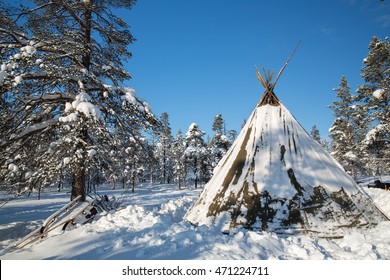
[27, 131]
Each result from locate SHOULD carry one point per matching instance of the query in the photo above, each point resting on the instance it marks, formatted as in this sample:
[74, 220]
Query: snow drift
[150, 226]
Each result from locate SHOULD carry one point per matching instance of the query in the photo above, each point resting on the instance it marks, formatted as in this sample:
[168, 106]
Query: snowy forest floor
[150, 225]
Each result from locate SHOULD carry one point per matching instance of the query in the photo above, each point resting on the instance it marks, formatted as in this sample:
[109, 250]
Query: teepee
[275, 177]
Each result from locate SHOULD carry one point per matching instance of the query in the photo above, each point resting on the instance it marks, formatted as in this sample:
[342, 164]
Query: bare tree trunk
[79, 168]
[39, 191]
[196, 172]
[60, 182]
[87, 17]
[78, 182]
[79, 172]
[132, 184]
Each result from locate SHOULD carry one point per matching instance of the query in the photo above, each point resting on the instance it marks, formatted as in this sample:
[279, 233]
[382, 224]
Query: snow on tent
[275, 177]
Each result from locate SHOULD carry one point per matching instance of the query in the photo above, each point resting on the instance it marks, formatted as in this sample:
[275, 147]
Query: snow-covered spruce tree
[374, 97]
[218, 124]
[341, 146]
[138, 155]
[152, 170]
[61, 76]
[219, 144]
[344, 129]
[163, 151]
[315, 134]
[178, 149]
[130, 155]
[195, 154]
[232, 135]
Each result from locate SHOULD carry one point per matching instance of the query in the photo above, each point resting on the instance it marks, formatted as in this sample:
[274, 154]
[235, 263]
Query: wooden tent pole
[284, 66]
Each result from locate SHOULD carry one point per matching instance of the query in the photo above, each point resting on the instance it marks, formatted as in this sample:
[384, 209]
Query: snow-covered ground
[150, 226]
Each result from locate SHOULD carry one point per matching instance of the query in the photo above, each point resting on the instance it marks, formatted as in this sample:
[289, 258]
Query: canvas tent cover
[276, 178]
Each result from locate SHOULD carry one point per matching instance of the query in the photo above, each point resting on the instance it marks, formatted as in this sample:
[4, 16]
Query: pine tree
[59, 108]
[218, 124]
[129, 156]
[219, 144]
[178, 149]
[243, 123]
[315, 134]
[374, 98]
[232, 135]
[195, 154]
[342, 131]
[163, 152]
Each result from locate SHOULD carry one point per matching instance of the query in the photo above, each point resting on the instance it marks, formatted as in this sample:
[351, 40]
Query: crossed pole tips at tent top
[266, 78]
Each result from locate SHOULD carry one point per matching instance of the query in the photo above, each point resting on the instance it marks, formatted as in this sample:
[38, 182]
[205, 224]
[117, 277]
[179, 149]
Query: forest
[68, 119]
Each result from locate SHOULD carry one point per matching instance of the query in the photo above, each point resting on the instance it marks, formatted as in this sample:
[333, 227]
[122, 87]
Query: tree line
[67, 117]
[189, 159]
[360, 133]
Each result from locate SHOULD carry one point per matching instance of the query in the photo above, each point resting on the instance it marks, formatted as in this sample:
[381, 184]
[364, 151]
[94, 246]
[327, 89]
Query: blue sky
[195, 59]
